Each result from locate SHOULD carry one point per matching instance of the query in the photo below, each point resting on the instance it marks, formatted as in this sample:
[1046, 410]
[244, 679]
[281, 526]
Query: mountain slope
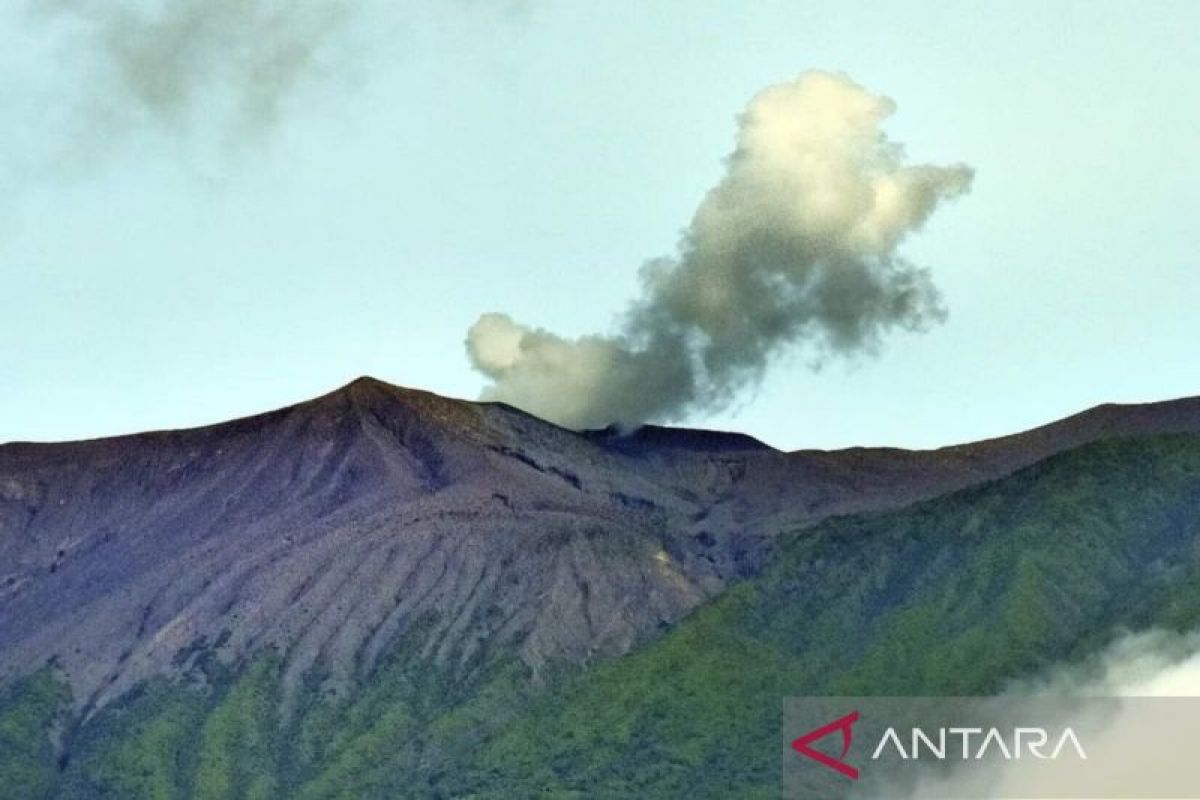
[325, 529]
[341, 593]
[955, 595]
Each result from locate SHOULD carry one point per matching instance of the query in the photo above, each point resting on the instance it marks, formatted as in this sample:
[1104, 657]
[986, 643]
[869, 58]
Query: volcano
[373, 523]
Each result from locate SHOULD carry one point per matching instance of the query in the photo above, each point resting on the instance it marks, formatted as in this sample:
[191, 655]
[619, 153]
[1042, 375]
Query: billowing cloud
[796, 244]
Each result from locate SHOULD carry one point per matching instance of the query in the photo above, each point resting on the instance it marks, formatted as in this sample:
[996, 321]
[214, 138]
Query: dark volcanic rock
[330, 529]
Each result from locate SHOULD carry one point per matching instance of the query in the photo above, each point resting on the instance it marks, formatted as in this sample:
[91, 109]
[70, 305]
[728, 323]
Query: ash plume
[182, 62]
[796, 245]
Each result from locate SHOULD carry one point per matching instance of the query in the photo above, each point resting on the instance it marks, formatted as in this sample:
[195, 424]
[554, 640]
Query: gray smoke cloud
[1152, 663]
[797, 243]
[176, 62]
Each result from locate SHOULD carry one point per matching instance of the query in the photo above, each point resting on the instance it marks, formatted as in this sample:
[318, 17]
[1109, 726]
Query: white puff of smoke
[797, 242]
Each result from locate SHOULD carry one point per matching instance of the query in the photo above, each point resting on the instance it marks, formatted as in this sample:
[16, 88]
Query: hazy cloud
[232, 63]
[1153, 663]
[797, 243]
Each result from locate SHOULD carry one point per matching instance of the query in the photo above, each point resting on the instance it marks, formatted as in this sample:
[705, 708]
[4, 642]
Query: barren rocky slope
[329, 529]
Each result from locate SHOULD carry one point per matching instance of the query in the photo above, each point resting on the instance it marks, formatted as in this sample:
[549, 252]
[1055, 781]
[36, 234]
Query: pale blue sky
[529, 161]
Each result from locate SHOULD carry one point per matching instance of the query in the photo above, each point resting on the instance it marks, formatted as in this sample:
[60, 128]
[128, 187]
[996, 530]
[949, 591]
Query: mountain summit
[331, 529]
[381, 551]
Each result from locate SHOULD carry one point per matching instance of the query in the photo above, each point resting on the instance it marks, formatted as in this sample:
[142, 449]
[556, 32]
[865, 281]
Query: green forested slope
[952, 596]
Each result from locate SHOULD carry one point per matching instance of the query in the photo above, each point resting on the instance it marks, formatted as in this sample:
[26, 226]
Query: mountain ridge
[1096, 419]
[327, 529]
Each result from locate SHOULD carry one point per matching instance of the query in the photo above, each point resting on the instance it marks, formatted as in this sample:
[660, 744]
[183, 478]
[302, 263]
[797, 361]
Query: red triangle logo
[803, 745]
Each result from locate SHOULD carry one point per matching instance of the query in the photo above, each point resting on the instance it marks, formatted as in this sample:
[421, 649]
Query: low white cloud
[1134, 743]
